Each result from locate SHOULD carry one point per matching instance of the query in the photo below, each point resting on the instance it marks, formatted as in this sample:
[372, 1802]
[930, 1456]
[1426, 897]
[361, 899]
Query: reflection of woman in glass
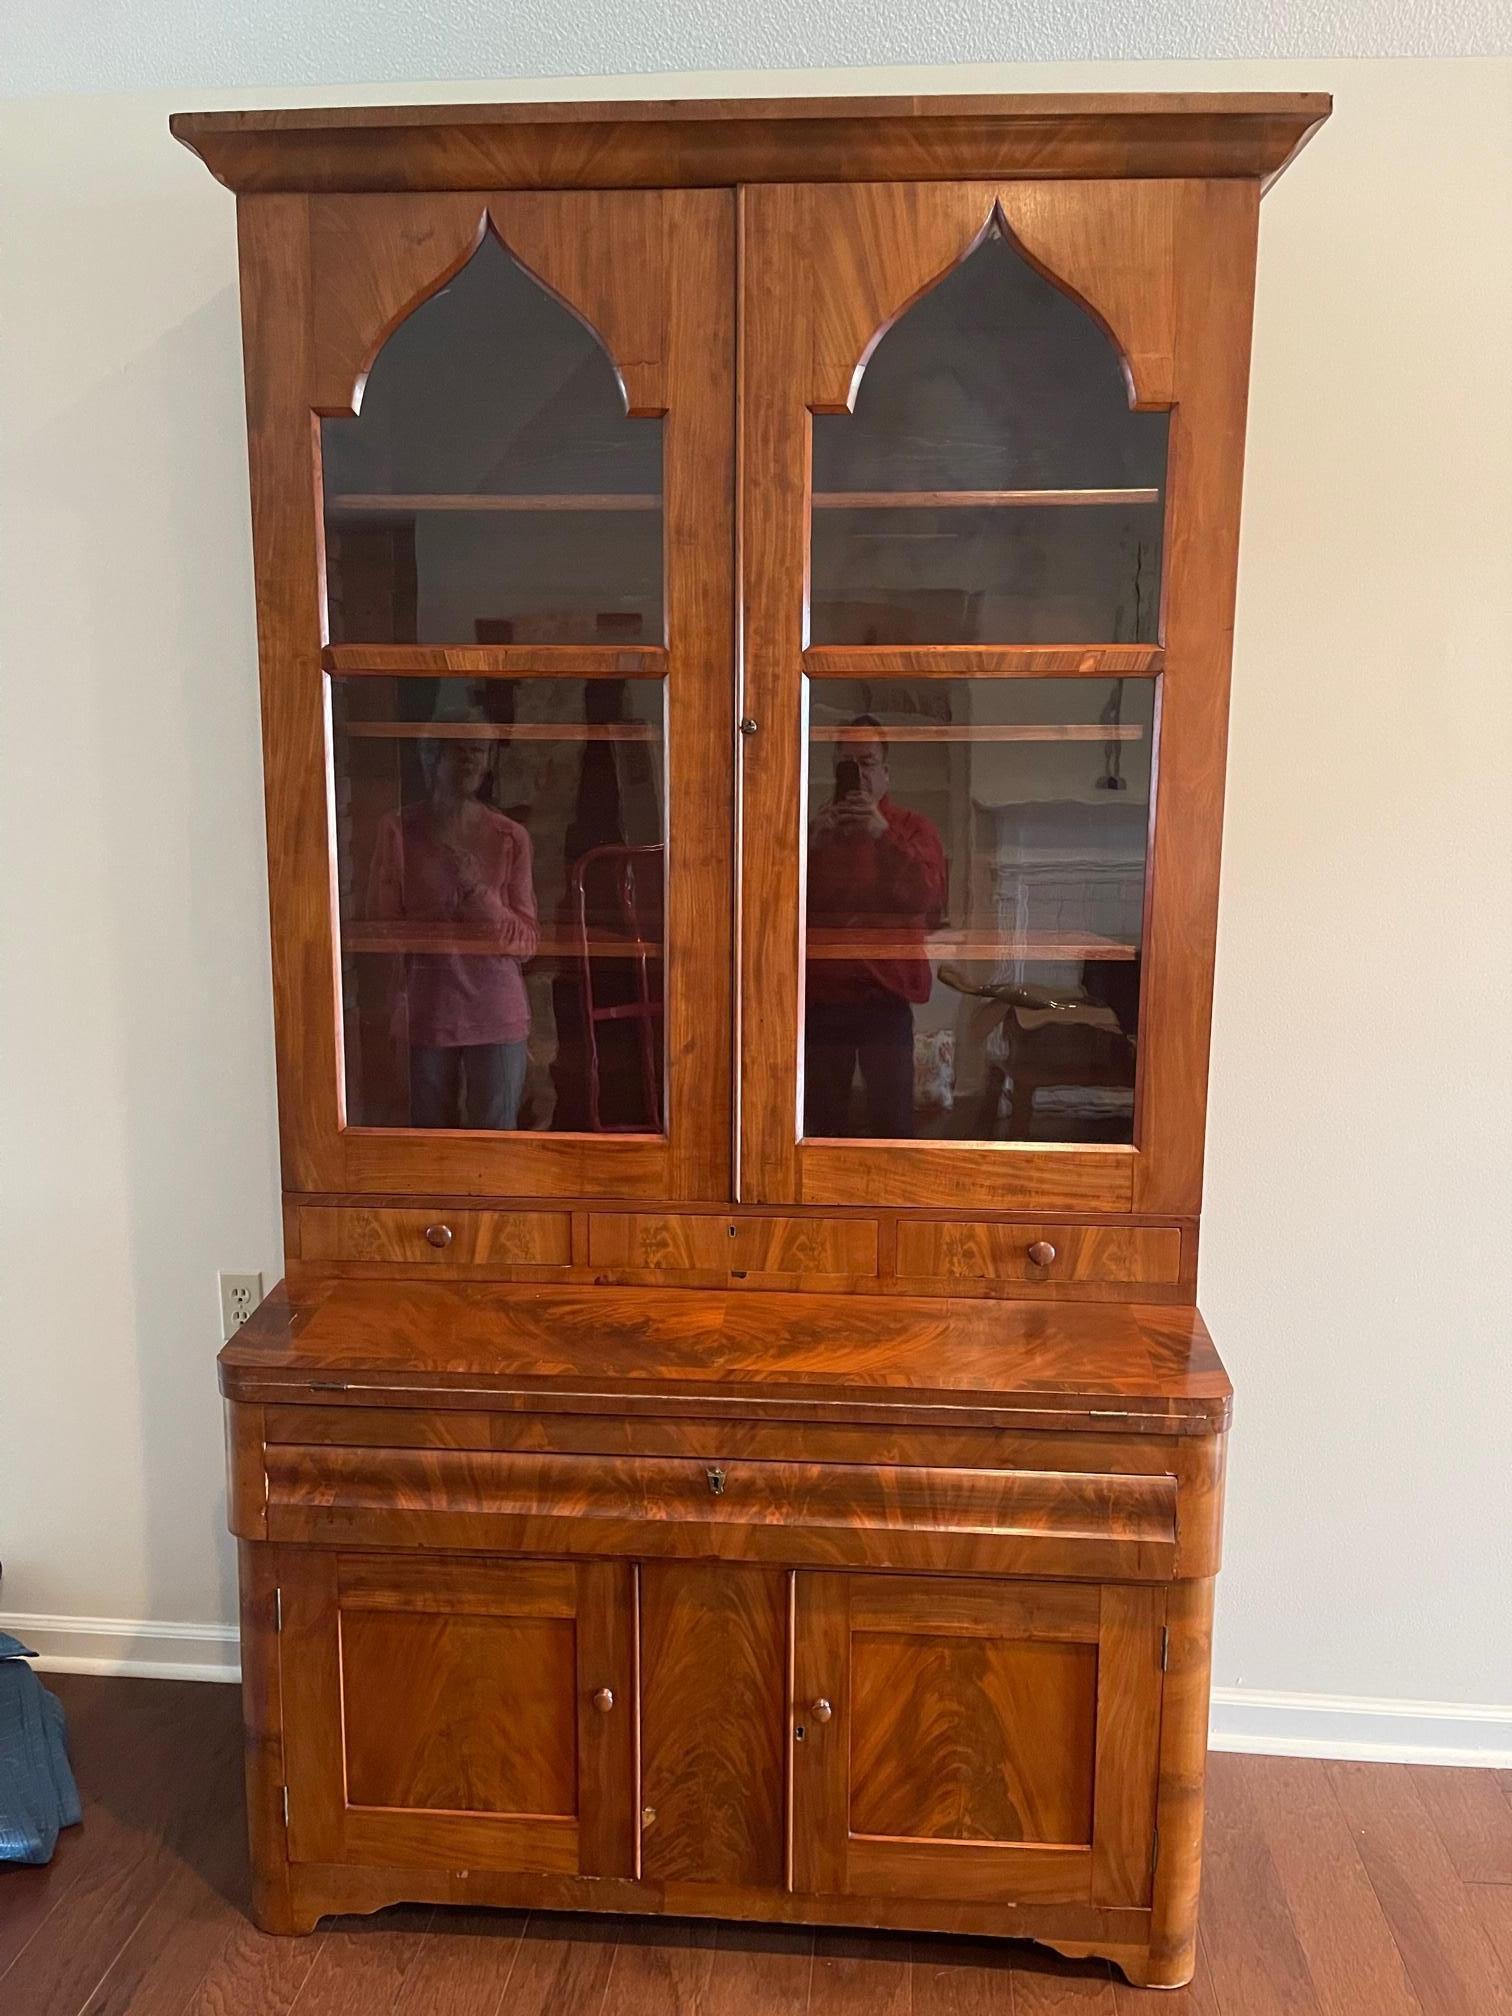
[453, 860]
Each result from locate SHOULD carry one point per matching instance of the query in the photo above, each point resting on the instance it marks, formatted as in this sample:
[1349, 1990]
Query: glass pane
[492, 489]
[976, 871]
[500, 853]
[992, 485]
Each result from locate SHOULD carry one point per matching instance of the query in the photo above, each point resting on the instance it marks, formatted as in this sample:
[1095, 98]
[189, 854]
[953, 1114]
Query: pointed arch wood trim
[605, 257]
[876, 249]
[377, 259]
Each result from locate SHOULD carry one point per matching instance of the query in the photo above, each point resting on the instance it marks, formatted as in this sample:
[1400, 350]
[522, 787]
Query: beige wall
[1356, 1268]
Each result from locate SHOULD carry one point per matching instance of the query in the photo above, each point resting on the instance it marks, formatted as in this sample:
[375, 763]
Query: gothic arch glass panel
[991, 485]
[492, 489]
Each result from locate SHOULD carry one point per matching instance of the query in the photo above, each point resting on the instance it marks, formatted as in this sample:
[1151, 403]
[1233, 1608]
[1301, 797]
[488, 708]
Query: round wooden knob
[438, 1235]
[821, 1710]
[1042, 1253]
[604, 1700]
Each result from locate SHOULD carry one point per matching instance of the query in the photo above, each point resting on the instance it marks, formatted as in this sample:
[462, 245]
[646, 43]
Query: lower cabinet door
[462, 1713]
[975, 1741]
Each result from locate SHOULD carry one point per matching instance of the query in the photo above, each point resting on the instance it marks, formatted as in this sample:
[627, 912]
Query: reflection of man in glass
[453, 860]
[876, 871]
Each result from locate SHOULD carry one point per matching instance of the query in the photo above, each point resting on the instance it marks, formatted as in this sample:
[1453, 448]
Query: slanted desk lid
[696, 1351]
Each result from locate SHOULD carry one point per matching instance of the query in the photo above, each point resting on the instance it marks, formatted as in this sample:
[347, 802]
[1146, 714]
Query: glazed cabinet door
[492, 442]
[974, 1741]
[992, 444]
[460, 1713]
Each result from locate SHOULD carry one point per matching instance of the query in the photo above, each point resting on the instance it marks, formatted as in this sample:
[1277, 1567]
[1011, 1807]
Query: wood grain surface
[714, 1722]
[1111, 1362]
[662, 144]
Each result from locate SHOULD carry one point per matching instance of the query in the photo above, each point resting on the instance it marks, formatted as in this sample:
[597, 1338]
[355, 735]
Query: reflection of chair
[626, 866]
[1079, 1053]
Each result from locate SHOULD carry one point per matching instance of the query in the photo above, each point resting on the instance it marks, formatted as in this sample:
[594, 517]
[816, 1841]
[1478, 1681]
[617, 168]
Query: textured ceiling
[192, 45]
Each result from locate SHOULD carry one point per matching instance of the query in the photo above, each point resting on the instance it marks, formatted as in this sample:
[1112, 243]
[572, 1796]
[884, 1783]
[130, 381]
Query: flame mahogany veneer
[722, 1523]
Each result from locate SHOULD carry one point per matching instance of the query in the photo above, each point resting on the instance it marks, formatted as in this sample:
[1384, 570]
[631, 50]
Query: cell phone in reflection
[847, 777]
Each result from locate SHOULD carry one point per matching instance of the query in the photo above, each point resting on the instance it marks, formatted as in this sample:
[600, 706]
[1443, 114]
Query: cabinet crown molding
[693, 143]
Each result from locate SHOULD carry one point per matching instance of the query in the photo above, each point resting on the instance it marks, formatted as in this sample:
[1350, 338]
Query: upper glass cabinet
[992, 485]
[492, 489]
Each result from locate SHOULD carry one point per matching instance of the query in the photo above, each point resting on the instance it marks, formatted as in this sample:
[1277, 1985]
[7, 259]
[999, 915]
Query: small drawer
[437, 1237]
[807, 1250]
[942, 1249]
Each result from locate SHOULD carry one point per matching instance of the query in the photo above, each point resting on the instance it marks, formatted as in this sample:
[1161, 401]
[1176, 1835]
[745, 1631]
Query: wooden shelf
[413, 935]
[497, 661]
[981, 661]
[884, 942]
[643, 500]
[501, 731]
[972, 500]
[537, 500]
[986, 731]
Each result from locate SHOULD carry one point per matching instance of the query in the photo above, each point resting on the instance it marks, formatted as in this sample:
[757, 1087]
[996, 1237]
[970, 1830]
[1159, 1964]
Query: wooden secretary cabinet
[744, 598]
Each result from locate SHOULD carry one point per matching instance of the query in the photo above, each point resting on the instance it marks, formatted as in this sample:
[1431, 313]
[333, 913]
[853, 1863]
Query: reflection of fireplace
[1065, 867]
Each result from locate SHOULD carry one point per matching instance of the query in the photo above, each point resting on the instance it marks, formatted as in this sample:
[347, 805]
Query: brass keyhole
[716, 1478]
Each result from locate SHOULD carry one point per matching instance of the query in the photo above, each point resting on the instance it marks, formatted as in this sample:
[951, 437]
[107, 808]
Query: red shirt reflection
[875, 868]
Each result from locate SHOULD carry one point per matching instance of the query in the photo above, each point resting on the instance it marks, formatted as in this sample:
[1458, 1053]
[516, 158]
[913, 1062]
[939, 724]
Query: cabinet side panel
[1214, 296]
[1182, 1784]
[713, 1712]
[262, 1715]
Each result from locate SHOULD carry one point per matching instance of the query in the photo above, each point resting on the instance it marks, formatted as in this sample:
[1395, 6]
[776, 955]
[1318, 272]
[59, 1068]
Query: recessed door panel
[972, 1738]
[489, 1721]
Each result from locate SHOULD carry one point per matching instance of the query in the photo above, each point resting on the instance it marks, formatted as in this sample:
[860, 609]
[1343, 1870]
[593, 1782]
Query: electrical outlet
[240, 1295]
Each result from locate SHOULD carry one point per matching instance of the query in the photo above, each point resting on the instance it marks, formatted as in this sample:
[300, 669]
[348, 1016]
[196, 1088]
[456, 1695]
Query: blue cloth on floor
[37, 1790]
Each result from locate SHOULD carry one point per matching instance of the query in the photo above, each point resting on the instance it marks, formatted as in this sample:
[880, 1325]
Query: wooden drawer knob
[1042, 1253]
[821, 1710]
[604, 1700]
[439, 1235]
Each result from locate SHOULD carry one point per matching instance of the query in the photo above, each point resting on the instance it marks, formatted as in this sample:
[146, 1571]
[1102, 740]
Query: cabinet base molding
[314, 1891]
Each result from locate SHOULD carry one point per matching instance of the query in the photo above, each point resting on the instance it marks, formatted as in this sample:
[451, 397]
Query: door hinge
[285, 1791]
[1165, 1646]
[278, 1609]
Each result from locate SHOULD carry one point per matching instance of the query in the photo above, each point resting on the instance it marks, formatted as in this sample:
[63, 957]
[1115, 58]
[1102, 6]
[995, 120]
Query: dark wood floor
[1331, 1890]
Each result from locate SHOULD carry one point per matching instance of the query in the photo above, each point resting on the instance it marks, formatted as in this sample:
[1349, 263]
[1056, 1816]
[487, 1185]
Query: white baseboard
[1355, 1726]
[147, 1649]
[1243, 1718]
